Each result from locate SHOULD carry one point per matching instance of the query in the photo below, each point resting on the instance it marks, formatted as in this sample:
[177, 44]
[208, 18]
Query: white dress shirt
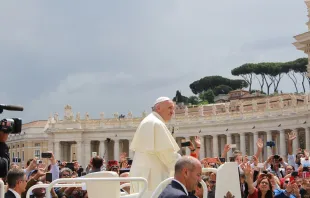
[15, 193]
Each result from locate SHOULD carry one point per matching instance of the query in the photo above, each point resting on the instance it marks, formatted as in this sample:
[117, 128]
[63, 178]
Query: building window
[37, 144]
[23, 145]
[23, 156]
[13, 155]
[37, 153]
[17, 154]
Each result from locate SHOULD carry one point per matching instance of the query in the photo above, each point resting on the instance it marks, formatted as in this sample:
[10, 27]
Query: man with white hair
[155, 148]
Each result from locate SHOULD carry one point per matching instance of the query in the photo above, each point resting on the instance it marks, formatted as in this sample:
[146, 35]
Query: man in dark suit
[186, 177]
[17, 182]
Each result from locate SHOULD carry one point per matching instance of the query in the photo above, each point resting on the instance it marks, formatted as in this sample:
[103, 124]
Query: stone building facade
[32, 141]
[239, 122]
[235, 122]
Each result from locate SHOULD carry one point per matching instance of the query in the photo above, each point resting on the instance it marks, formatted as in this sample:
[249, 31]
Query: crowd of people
[278, 176]
[157, 158]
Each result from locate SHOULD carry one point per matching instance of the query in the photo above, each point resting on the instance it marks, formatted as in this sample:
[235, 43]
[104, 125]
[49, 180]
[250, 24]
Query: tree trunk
[303, 82]
[268, 85]
[261, 83]
[293, 78]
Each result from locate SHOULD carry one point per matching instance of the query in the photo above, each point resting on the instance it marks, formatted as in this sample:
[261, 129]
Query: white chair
[124, 186]
[2, 189]
[102, 190]
[112, 187]
[161, 187]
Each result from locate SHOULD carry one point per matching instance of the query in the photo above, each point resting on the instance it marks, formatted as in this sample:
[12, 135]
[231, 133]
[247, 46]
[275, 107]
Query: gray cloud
[121, 55]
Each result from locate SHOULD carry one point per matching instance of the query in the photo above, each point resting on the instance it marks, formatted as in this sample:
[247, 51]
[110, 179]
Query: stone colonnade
[211, 145]
[82, 151]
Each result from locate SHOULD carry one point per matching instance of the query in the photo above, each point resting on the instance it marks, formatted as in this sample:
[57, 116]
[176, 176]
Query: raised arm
[225, 151]
[259, 145]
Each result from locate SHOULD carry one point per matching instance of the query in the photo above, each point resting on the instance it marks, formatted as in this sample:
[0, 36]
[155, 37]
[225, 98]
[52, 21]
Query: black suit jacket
[9, 194]
[173, 190]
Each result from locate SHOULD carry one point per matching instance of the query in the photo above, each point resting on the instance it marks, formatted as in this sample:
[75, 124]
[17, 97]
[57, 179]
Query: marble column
[307, 140]
[222, 144]
[251, 142]
[50, 146]
[215, 146]
[282, 146]
[229, 154]
[202, 153]
[209, 146]
[79, 152]
[269, 138]
[116, 149]
[87, 151]
[187, 150]
[102, 148]
[296, 143]
[131, 152]
[57, 150]
[242, 143]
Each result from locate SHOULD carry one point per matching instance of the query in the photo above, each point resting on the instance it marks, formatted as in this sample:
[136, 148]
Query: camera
[7, 126]
[11, 125]
[270, 143]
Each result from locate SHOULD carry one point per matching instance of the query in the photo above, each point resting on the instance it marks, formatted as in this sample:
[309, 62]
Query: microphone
[11, 107]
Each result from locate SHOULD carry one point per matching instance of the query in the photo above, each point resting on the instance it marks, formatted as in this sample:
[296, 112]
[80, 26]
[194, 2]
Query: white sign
[228, 174]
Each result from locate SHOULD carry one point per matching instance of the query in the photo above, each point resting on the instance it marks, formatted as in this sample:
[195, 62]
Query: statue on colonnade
[86, 116]
[78, 116]
[56, 117]
[68, 113]
[102, 116]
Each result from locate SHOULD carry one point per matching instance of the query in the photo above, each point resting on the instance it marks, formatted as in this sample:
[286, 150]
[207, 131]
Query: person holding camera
[276, 163]
[4, 155]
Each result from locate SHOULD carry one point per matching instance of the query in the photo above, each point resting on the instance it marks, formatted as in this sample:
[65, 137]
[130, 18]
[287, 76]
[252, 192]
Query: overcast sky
[119, 56]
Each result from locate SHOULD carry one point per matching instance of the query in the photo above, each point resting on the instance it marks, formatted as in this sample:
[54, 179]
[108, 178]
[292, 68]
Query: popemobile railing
[69, 181]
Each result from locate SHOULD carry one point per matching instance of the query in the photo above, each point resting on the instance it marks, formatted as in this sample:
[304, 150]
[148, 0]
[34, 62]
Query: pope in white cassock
[155, 148]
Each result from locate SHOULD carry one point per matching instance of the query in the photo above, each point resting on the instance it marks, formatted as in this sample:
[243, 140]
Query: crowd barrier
[67, 182]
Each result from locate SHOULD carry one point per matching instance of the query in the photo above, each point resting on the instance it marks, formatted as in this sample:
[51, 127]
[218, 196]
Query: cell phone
[250, 158]
[294, 174]
[270, 144]
[233, 146]
[83, 173]
[46, 155]
[185, 144]
[130, 162]
[222, 159]
[49, 177]
[231, 159]
[39, 162]
[123, 171]
[292, 180]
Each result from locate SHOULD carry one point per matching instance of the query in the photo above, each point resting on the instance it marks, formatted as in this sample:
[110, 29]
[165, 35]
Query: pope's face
[166, 110]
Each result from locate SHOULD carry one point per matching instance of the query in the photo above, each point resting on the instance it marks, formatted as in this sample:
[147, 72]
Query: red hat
[113, 163]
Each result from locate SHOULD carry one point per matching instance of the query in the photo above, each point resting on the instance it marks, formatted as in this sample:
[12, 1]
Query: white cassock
[155, 153]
